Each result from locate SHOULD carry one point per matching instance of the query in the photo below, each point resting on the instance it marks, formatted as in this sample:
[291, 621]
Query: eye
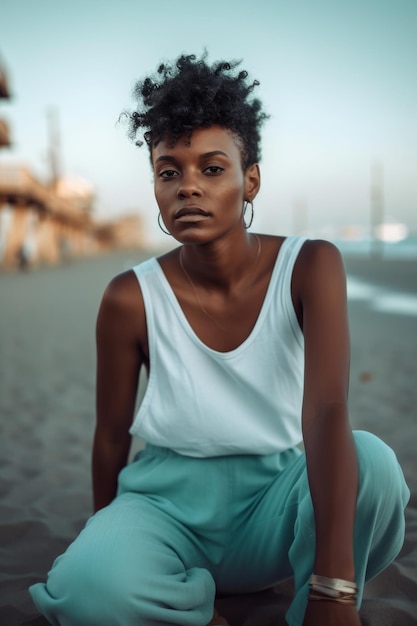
[167, 173]
[214, 170]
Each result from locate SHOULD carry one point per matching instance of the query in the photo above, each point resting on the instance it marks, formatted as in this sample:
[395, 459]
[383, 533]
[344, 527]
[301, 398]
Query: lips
[188, 211]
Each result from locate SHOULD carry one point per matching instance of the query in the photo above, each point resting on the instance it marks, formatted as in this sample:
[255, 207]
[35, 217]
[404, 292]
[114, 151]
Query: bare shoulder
[318, 251]
[122, 306]
[123, 292]
[319, 260]
[319, 272]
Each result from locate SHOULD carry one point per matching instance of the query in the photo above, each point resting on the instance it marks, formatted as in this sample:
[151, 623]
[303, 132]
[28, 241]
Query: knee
[382, 493]
[86, 589]
[380, 474]
[81, 594]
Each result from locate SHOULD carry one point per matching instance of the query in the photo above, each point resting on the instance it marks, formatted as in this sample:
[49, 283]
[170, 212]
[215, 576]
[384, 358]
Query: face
[200, 186]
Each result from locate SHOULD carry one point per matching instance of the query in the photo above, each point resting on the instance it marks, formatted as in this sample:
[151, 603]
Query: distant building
[392, 232]
[125, 232]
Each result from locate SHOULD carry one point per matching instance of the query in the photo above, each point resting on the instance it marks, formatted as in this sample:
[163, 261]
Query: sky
[337, 77]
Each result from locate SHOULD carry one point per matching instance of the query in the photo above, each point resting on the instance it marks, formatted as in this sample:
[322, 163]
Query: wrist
[335, 565]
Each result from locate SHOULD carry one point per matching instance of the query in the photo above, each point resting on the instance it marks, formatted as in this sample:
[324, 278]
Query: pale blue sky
[337, 76]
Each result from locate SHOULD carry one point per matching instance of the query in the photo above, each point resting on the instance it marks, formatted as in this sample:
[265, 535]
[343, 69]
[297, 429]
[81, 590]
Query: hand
[328, 613]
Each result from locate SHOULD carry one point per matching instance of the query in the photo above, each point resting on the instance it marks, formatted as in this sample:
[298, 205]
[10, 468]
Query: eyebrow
[206, 155]
[213, 153]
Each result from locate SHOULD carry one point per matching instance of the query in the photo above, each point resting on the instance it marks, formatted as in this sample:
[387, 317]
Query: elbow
[329, 416]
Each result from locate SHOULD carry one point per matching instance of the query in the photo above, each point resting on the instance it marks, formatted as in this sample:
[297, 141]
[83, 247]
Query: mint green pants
[183, 529]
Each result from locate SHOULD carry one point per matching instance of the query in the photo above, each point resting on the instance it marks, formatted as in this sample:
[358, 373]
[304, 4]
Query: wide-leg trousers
[183, 529]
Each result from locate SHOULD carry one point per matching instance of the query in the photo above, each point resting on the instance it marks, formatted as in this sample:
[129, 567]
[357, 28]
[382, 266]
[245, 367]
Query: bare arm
[330, 451]
[120, 335]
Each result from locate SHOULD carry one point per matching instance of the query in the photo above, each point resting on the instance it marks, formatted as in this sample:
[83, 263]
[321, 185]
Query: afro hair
[189, 94]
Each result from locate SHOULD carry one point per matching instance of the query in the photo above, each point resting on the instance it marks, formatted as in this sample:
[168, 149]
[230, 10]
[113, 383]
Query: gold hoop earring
[160, 225]
[244, 213]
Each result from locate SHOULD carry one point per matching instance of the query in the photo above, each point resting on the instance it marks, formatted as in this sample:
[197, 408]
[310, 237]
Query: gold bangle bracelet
[342, 599]
[332, 589]
[337, 584]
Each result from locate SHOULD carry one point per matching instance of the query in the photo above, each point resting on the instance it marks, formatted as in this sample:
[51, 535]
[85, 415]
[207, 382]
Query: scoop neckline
[255, 329]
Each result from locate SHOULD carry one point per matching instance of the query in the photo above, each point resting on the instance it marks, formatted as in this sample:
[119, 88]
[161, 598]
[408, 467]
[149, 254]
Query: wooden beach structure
[37, 225]
[40, 226]
[46, 223]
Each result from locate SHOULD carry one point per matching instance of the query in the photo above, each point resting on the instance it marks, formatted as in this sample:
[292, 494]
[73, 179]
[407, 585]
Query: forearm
[109, 457]
[333, 476]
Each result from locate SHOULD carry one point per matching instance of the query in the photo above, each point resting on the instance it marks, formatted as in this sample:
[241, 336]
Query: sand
[47, 368]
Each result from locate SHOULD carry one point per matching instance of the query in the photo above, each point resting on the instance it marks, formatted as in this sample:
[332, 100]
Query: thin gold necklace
[188, 277]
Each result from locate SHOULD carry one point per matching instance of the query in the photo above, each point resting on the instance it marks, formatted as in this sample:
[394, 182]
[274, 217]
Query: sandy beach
[47, 371]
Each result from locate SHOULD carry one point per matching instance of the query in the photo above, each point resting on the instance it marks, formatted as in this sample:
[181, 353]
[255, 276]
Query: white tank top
[200, 402]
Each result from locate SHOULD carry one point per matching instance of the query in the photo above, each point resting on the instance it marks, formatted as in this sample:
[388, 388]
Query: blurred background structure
[47, 222]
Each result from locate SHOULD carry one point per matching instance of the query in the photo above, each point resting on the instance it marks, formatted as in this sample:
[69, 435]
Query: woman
[245, 339]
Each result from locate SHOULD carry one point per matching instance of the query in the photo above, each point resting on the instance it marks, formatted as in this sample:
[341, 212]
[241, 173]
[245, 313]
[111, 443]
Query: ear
[252, 182]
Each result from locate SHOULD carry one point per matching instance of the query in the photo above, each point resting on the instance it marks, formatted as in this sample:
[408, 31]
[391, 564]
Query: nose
[188, 187]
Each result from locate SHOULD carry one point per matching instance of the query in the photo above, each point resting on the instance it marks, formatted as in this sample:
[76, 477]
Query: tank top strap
[288, 255]
[282, 297]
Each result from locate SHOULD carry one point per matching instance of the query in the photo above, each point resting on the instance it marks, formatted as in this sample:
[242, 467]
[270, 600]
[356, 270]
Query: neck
[222, 265]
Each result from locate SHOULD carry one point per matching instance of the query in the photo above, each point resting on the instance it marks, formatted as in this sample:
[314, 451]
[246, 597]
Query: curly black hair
[190, 94]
